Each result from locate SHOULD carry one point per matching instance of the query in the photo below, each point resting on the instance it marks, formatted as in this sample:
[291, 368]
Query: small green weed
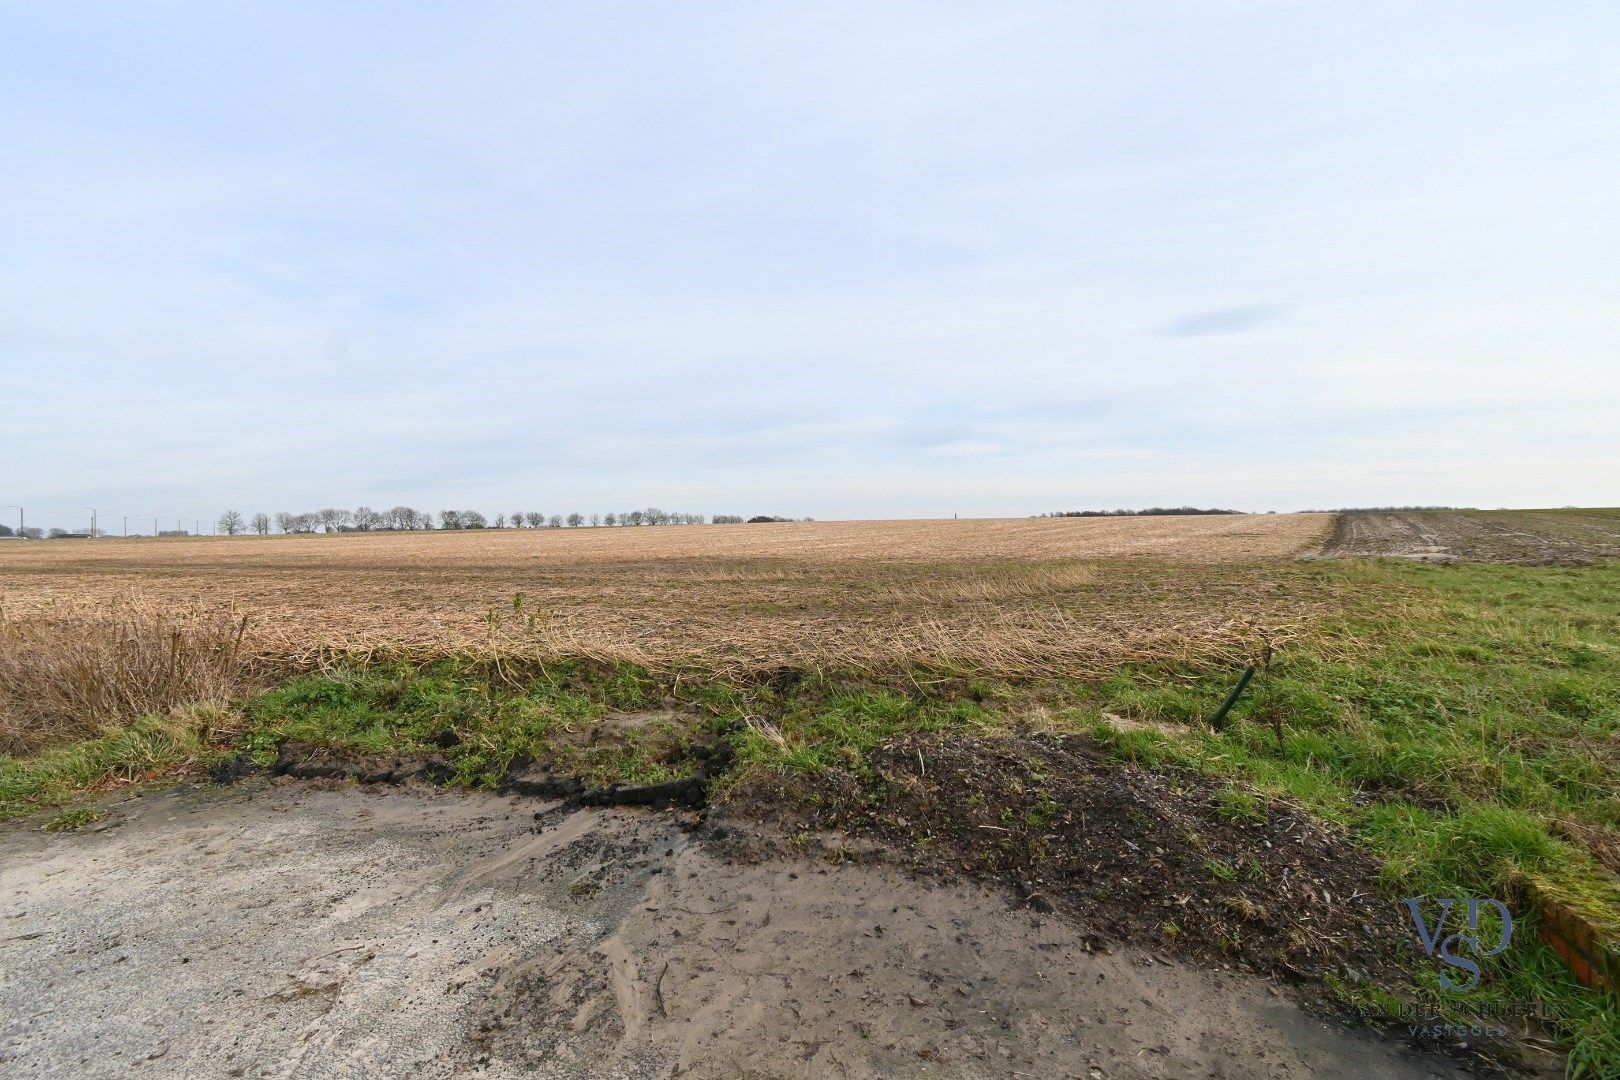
[71, 820]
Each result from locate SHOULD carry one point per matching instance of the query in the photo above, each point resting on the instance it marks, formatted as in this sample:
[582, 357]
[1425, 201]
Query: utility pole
[154, 527]
[92, 521]
[126, 526]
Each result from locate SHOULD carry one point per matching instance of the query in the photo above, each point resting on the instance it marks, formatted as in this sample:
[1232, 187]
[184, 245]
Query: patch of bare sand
[302, 930]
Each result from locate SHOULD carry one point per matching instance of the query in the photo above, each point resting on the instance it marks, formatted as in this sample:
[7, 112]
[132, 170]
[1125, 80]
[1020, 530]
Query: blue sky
[840, 260]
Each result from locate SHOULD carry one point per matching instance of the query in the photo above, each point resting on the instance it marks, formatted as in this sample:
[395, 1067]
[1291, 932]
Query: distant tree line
[405, 518]
[1384, 509]
[330, 519]
[1152, 511]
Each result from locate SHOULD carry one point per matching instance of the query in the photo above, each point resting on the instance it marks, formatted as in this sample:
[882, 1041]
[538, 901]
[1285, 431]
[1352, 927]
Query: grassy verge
[154, 749]
[1460, 720]
[1457, 733]
[607, 723]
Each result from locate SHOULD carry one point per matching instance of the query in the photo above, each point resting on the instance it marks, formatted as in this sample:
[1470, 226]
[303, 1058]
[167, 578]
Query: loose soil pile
[1173, 860]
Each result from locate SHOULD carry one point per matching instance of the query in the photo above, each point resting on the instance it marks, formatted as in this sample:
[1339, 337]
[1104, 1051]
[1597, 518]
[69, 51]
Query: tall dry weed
[70, 674]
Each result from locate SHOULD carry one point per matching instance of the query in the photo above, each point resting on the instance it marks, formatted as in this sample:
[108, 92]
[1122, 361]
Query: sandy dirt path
[295, 930]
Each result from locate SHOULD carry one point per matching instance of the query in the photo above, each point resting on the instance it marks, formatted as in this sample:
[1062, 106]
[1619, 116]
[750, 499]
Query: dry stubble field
[1008, 597]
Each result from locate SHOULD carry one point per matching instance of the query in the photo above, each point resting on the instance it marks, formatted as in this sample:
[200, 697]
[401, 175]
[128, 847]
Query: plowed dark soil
[1525, 537]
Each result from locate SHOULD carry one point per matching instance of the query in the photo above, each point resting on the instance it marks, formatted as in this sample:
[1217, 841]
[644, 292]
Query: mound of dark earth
[1174, 860]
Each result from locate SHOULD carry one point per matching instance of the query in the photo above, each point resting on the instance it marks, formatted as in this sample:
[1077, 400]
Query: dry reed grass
[72, 674]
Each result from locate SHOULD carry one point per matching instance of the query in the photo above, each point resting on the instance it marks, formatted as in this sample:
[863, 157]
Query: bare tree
[472, 519]
[231, 523]
[405, 517]
[611, 519]
[575, 520]
[535, 519]
[500, 521]
[366, 519]
[333, 518]
[596, 519]
[284, 521]
[517, 520]
[261, 524]
[555, 521]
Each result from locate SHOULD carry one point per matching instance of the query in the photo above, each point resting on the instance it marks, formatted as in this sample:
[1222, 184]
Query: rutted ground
[302, 930]
[1531, 537]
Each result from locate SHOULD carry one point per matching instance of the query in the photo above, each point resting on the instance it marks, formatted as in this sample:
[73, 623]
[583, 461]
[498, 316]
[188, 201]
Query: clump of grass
[152, 748]
[1235, 804]
[72, 820]
[612, 723]
[70, 675]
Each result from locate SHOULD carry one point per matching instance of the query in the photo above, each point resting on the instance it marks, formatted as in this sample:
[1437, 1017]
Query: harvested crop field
[1526, 537]
[1019, 596]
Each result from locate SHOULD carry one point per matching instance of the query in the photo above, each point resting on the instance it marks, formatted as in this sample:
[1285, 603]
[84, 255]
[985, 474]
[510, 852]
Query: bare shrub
[72, 674]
